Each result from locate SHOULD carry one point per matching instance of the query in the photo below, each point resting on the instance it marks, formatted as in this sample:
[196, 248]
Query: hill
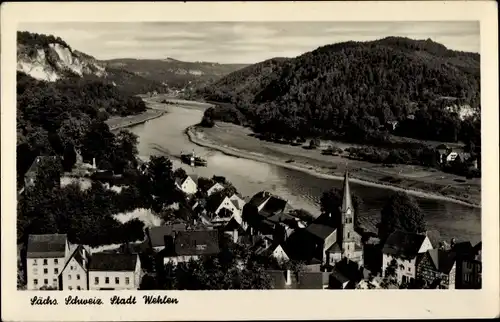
[49, 58]
[172, 72]
[352, 90]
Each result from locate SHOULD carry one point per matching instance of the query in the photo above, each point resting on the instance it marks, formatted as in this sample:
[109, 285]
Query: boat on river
[193, 160]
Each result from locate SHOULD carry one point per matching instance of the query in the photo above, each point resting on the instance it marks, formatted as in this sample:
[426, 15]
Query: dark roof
[335, 248]
[112, 262]
[197, 242]
[46, 246]
[259, 198]
[157, 234]
[194, 177]
[311, 280]
[350, 270]
[443, 260]
[403, 244]
[274, 205]
[463, 248]
[338, 276]
[320, 230]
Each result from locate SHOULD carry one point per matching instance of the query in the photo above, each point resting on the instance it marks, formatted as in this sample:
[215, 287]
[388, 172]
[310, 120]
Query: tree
[390, 274]
[69, 157]
[49, 173]
[401, 212]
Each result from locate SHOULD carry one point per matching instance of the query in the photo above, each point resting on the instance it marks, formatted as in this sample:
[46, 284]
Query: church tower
[346, 236]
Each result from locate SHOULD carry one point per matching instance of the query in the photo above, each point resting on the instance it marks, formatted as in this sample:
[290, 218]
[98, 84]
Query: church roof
[346, 198]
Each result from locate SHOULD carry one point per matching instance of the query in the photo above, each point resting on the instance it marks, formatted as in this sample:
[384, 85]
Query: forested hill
[172, 72]
[49, 58]
[349, 90]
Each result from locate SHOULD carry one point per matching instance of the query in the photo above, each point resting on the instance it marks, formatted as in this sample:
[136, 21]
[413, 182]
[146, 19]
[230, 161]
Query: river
[165, 136]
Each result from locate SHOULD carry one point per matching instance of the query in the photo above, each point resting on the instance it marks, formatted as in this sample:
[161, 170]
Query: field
[239, 140]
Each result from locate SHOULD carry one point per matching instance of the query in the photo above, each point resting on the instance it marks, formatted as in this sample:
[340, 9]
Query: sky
[241, 42]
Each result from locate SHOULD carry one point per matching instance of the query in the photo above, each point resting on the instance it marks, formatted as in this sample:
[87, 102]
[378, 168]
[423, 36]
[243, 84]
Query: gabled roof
[338, 276]
[259, 198]
[463, 248]
[77, 254]
[197, 242]
[157, 234]
[113, 262]
[274, 205]
[335, 248]
[403, 244]
[319, 230]
[46, 246]
[443, 260]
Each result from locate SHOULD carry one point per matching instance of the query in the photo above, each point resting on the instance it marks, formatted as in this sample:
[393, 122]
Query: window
[45, 281]
[45, 271]
[71, 267]
[56, 270]
[466, 277]
[35, 281]
[96, 280]
[78, 288]
[127, 280]
[70, 288]
[69, 277]
[35, 262]
[106, 280]
[77, 276]
[117, 280]
[54, 281]
[348, 235]
[409, 269]
[44, 262]
[56, 261]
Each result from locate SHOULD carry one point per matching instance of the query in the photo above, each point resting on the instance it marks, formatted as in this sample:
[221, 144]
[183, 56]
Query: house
[230, 207]
[188, 185]
[334, 240]
[30, 175]
[437, 268]
[74, 275]
[469, 265]
[45, 259]
[155, 236]
[114, 271]
[191, 244]
[266, 247]
[403, 247]
[347, 274]
[214, 188]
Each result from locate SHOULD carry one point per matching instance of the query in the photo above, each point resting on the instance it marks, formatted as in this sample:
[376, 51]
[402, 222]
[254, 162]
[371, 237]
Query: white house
[45, 260]
[233, 204]
[112, 271]
[213, 189]
[187, 185]
[74, 275]
[404, 248]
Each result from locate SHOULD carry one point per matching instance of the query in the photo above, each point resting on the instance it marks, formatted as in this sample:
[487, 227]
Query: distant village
[333, 251]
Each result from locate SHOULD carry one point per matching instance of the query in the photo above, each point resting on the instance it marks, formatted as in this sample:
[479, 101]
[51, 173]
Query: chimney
[288, 280]
[93, 163]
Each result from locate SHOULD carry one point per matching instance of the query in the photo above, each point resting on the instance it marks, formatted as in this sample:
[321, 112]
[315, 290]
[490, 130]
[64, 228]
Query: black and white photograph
[248, 155]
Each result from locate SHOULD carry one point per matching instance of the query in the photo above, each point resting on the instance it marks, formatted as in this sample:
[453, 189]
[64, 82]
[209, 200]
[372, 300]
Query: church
[334, 235]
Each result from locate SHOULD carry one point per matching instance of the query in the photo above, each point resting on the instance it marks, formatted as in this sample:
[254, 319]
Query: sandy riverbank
[360, 172]
[116, 123]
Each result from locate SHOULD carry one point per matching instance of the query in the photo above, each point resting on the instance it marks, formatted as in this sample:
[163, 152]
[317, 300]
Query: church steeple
[346, 197]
